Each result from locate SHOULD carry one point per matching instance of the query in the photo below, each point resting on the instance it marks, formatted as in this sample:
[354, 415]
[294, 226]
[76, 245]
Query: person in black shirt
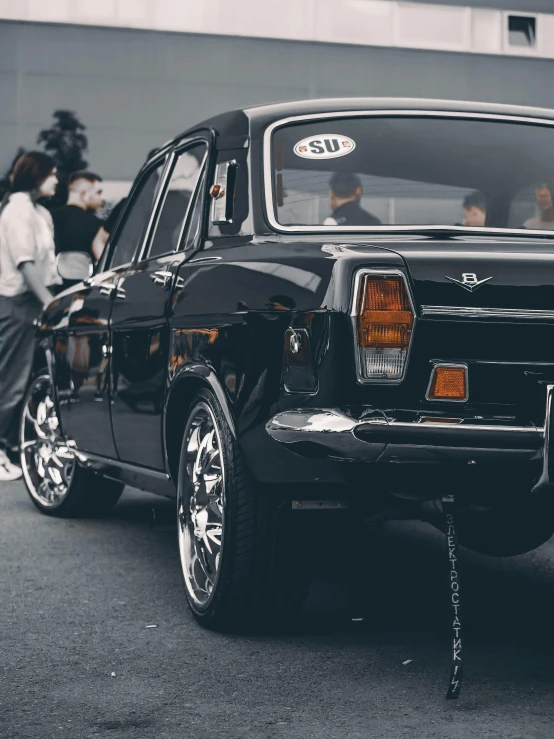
[75, 224]
[345, 194]
[109, 224]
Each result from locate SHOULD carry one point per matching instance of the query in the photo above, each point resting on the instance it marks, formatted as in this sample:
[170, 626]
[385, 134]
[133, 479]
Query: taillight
[384, 321]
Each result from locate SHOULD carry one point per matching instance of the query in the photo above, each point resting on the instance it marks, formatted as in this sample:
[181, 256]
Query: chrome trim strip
[90, 457]
[467, 427]
[354, 314]
[268, 189]
[522, 314]
[448, 400]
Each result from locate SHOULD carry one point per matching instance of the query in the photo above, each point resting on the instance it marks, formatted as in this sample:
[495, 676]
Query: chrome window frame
[359, 274]
[269, 202]
[448, 365]
[155, 214]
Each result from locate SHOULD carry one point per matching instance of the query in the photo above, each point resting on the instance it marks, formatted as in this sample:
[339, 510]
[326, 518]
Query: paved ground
[76, 598]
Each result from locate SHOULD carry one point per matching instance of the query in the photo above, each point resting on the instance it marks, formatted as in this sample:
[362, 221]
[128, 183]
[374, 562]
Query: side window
[129, 235]
[177, 201]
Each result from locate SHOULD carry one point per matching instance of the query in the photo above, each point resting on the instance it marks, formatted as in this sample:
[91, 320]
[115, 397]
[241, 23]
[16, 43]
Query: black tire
[90, 496]
[510, 530]
[80, 492]
[262, 575]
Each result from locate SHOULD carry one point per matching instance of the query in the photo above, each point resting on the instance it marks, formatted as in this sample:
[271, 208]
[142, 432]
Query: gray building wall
[135, 89]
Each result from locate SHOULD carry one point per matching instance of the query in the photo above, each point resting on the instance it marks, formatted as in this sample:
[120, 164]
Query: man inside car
[344, 196]
[544, 218]
[475, 209]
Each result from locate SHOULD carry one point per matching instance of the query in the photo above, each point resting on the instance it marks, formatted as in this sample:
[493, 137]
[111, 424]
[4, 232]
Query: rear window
[370, 172]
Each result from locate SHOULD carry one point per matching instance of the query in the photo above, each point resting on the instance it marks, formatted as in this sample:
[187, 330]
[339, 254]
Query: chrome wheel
[201, 505]
[47, 461]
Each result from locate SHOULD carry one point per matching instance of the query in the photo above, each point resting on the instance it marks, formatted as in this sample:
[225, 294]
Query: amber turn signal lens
[385, 317]
[448, 383]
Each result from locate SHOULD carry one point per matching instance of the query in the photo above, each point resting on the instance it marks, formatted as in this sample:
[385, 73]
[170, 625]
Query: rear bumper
[333, 434]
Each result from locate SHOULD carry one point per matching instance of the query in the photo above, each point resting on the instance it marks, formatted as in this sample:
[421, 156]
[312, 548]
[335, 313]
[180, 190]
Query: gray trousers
[17, 346]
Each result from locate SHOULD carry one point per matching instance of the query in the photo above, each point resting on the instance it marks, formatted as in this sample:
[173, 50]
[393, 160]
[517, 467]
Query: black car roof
[250, 121]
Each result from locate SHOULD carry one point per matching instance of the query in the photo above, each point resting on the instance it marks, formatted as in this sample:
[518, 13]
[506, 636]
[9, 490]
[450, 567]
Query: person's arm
[35, 283]
[99, 243]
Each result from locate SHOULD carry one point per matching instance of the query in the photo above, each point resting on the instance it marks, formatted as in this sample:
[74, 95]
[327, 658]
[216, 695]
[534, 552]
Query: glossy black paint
[225, 318]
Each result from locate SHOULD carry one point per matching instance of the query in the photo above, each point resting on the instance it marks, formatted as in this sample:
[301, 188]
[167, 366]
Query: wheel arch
[185, 384]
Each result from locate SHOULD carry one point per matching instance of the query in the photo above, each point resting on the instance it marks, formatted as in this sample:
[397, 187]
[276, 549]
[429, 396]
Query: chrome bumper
[332, 434]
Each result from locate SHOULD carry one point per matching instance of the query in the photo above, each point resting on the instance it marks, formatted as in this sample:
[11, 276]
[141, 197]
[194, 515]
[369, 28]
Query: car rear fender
[185, 383]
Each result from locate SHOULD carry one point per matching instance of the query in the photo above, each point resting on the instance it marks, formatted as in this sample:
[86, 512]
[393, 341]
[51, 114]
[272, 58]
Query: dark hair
[30, 171]
[344, 184]
[475, 199]
[82, 175]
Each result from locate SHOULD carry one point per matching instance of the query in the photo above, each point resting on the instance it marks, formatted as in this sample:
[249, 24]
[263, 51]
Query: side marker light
[448, 382]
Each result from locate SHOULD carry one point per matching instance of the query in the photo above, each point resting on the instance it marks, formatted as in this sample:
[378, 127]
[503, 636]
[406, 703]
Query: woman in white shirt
[27, 271]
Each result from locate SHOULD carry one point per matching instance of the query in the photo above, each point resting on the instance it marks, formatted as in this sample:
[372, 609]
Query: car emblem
[469, 281]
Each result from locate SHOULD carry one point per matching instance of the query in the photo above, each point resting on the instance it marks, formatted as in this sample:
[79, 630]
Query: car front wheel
[56, 483]
[242, 565]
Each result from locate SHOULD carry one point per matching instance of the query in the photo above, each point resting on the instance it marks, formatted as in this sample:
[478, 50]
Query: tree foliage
[66, 143]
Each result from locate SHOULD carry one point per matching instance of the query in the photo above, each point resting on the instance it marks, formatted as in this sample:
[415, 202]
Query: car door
[82, 341]
[80, 358]
[139, 319]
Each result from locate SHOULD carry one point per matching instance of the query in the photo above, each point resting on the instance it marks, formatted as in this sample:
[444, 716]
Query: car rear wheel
[241, 563]
[56, 482]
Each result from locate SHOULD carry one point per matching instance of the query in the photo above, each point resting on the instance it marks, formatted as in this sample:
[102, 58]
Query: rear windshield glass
[413, 171]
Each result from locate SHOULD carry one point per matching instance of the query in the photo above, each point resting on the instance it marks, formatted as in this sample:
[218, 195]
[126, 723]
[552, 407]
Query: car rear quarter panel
[231, 315]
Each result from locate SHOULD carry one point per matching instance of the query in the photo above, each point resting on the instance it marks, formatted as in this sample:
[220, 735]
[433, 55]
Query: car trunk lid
[511, 275]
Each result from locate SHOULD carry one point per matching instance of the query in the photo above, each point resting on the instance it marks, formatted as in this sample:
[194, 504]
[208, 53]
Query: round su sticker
[324, 146]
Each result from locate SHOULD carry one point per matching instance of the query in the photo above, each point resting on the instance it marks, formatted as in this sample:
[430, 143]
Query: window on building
[522, 30]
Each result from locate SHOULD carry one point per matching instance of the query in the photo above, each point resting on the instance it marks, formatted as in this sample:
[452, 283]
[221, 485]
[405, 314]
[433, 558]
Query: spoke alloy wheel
[47, 460]
[201, 505]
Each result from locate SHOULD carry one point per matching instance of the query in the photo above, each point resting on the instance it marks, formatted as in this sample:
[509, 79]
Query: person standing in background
[27, 275]
[109, 224]
[75, 224]
[101, 238]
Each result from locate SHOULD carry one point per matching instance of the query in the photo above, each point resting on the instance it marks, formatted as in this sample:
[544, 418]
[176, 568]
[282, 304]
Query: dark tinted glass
[411, 171]
[177, 199]
[129, 236]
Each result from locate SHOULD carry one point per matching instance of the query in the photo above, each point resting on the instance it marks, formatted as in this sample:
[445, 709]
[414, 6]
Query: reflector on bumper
[448, 382]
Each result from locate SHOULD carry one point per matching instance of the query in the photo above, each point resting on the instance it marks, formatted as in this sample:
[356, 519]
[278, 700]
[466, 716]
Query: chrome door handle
[162, 277]
[109, 287]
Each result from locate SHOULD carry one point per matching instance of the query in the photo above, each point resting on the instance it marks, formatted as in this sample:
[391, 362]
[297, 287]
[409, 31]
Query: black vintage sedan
[330, 309]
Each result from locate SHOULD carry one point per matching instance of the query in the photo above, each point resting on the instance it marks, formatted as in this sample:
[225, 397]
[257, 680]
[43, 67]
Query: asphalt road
[77, 659]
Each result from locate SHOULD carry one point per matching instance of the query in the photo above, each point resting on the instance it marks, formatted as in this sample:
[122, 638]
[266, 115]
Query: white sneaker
[8, 471]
